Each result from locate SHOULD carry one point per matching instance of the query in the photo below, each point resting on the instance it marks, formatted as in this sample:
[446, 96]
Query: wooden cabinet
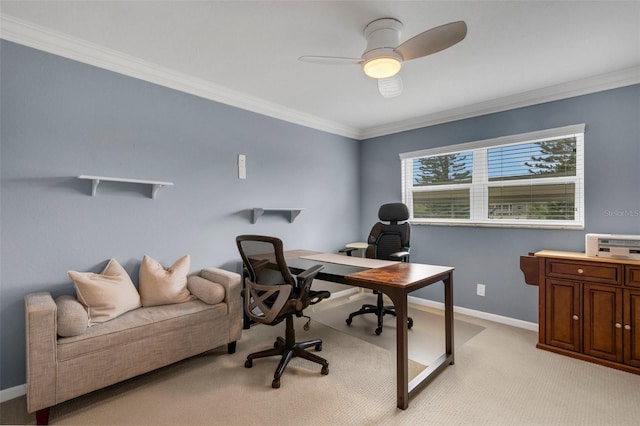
[590, 308]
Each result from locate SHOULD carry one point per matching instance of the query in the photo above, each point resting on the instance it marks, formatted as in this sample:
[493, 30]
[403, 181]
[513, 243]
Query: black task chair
[388, 242]
[271, 295]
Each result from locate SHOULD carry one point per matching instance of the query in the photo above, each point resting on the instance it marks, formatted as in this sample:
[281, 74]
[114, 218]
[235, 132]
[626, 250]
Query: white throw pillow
[163, 286]
[106, 295]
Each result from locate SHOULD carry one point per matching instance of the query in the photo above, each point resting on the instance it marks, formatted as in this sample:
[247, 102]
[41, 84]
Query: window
[527, 180]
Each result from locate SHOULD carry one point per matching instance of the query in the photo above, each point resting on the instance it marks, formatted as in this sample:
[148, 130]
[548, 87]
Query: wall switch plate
[480, 289]
[242, 166]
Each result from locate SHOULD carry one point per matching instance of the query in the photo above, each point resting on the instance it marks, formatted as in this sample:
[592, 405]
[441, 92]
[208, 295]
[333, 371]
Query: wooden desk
[396, 281]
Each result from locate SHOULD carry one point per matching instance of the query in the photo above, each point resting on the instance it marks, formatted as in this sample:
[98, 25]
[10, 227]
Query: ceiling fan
[384, 55]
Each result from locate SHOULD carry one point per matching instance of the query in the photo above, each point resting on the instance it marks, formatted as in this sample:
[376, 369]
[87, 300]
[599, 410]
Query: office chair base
[379, 310]
[288, 349]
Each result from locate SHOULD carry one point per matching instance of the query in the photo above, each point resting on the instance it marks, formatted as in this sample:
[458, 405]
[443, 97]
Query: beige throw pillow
[208, 291]
[106, 295]
[73, 318]
[163, 286]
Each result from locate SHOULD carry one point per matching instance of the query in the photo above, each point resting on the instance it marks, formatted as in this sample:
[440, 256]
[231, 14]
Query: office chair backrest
[268, 287]
[255, 251]
[392, 237]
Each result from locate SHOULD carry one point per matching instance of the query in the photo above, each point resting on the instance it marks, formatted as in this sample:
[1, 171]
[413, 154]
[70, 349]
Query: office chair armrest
[305, 278]
[310, 273]
[347, 250]
[400, 255]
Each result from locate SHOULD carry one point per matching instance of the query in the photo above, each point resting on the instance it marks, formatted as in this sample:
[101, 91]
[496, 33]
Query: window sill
[499, 225]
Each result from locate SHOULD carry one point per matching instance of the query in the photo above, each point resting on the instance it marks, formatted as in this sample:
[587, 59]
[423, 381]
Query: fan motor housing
[382, 34]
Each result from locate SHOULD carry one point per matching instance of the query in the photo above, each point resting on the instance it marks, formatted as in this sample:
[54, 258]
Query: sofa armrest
[41, 347]
[232, 283]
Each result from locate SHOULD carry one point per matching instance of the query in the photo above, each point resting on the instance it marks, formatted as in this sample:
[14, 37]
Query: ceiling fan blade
[390, 87]
[330, 60]
[433, 40]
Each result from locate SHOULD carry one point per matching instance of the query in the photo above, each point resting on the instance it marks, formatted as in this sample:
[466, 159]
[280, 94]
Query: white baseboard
[14, 392]
[345, 293]
[532, 326]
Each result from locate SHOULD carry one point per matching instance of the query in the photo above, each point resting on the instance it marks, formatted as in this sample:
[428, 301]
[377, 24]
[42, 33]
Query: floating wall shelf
[95, 181]
[259, 211]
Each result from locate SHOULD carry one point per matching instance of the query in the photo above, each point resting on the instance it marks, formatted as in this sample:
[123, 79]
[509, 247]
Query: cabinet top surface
[571, 255]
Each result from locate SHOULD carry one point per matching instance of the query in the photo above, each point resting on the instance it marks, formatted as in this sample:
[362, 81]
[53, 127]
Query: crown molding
[585, 86]
[40, 38]
[37, 37]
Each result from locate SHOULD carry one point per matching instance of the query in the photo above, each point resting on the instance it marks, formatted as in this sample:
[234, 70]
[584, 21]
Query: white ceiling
[245, 53]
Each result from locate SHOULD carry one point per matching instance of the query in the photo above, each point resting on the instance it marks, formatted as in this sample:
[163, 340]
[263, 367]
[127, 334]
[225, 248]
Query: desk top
[401, 275]
[341, 259]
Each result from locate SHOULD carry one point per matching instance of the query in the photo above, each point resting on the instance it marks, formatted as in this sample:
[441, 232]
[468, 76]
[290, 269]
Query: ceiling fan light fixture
[382, 67]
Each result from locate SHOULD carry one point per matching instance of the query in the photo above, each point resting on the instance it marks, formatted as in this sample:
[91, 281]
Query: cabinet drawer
[605, 273]
[633, 276]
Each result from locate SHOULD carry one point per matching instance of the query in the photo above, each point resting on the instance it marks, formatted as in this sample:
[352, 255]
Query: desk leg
[405, 388]
[448, 317]
[402, 348]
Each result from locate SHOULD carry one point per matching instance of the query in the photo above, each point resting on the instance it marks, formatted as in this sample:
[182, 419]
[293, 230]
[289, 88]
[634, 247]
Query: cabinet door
[632, 276]
[632, 327]
[602, 322]
[562, 322]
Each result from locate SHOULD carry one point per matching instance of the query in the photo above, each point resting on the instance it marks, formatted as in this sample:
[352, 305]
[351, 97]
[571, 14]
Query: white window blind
[526, 180]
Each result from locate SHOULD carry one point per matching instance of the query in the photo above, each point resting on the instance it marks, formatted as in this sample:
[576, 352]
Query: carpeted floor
[499, 378]
[426, 337]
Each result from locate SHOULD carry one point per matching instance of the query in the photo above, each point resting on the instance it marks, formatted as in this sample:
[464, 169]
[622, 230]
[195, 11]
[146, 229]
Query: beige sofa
[141, 340]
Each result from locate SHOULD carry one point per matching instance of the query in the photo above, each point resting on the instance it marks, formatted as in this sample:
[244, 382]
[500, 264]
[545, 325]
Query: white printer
[612, 245]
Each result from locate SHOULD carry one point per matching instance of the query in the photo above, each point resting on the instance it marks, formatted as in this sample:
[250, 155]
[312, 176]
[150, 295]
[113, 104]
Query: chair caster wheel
[349, 321]
[378, 331]
[248, 363]
[325, 370]
[318, 347]
[410, 323]
[275, 384]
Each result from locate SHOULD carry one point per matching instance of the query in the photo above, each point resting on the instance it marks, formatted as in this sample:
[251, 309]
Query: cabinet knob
[580, 271]
[618, 325]
[627, 327]
[575, 317]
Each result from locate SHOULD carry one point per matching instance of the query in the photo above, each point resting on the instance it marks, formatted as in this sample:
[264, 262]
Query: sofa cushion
[138, 325]
[205, 290]
[73, 318]
[163, 286]
[106, 295]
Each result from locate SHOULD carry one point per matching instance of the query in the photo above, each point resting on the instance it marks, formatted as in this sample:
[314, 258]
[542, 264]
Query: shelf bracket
[256, 213]
[155, 188]
[293, 214]
[94, 186]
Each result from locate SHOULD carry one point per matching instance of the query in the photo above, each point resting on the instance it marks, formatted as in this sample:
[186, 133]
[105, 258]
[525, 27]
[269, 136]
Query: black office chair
[388, 242]
[271, 295]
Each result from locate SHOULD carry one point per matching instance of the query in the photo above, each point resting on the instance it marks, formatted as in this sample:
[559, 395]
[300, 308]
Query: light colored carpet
[426, 337]
[499, 378]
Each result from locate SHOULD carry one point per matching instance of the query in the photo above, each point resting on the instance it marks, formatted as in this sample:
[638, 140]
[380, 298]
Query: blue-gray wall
[61, 119]
[491, 255]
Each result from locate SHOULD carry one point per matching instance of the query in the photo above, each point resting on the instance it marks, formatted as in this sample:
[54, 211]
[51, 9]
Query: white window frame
[479, 188]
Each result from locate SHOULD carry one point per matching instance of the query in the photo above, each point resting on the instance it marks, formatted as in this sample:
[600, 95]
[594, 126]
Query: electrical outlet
[480, 289]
